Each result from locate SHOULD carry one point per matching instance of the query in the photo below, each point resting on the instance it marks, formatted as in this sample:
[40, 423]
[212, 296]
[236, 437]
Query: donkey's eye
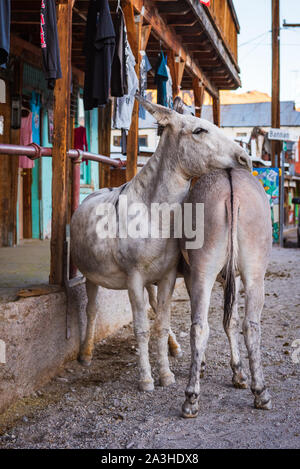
[199, 130]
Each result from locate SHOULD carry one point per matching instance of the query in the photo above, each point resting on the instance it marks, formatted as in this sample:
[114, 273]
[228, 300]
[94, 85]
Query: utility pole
[276, 146]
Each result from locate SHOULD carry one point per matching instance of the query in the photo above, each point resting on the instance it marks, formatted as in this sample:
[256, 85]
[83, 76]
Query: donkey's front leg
[162, 326]
[87, 347]
[141, 329]
[200, 299]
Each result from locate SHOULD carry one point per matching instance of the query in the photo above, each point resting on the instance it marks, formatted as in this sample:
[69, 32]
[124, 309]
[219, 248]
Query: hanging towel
[25, 139]
[98, 49]
[4, 30]
[119, 85]
[80, 140]
[161, 78]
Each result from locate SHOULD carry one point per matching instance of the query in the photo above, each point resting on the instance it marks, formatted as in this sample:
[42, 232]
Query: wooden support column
[14, 161]
[198, 96]
[176, 66]
[104, 137]
[276, 146]
[60, 143]
[134, 33]
[216, 111]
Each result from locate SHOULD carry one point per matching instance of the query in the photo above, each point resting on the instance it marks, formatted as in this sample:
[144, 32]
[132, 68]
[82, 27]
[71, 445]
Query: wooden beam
[198, 96]
[172, 41]
[176, 66]
[134, 32]
[216, 111]
[104, 137]
[61, 144]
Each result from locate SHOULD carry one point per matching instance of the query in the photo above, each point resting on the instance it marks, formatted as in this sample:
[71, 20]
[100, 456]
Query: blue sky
[255, 47]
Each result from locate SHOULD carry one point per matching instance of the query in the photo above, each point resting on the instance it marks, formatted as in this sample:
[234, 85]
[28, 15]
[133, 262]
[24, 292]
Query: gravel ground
[100, 407]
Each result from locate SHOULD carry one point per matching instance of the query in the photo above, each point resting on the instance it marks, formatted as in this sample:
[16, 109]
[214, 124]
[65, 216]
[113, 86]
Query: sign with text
[284, 135]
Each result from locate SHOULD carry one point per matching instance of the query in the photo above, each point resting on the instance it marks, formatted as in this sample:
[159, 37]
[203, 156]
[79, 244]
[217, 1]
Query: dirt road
[101, 407]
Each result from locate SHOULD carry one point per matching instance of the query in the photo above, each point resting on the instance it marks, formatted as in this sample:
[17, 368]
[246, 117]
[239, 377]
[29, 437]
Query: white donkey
[188, 147]
[237, 243]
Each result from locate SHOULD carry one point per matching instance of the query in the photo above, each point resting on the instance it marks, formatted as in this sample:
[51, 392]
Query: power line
[254, 38]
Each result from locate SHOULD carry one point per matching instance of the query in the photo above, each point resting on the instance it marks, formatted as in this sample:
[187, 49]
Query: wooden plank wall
[221, 13]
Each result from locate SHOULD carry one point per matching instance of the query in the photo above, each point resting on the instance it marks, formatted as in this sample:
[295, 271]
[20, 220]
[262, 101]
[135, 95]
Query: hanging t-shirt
[124, 106]
[4, 30]
[145, 67]
[161, 78]
[35, 106]
[80, 140]
[26, 139]
[49, 42]
[119, 86]
[98, 49]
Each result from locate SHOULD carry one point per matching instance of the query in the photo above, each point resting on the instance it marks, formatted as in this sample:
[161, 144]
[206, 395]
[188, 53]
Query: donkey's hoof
[84, 361]
[167, 380]
[146, 385]
[202, 369]
[240, 381]
[175, 352]
[263, 401]
[190, 411]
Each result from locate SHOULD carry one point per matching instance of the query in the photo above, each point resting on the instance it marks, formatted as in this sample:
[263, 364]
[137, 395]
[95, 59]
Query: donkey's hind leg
[239, 378]
[87, 347]
[254, 289]
[174, 346]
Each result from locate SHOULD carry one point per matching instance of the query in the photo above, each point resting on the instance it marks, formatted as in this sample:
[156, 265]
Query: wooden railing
[223, 14]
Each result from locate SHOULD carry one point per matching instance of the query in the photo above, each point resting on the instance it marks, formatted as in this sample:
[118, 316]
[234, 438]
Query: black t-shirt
[49, 42]
[99, 49]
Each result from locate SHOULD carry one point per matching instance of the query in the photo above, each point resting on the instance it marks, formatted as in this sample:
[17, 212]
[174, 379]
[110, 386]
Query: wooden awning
[204, 38]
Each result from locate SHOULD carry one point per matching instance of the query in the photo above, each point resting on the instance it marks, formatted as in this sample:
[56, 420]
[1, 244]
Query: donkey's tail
[230, 267]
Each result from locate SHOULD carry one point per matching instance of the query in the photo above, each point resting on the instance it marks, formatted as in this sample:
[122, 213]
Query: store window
[143, 140]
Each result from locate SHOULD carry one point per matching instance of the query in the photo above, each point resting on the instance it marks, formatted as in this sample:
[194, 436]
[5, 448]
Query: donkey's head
[197, 144]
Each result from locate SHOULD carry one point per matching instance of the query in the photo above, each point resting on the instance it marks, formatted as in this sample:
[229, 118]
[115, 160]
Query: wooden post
[198, 96]
[275, 123]
[216, 111]
[104, 136]
[176, 66]
[134, 32]
[60, 143]
[14, 161]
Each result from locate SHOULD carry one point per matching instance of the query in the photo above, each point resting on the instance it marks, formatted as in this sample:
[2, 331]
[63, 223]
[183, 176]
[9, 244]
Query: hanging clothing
[98, 49]
[26, 139]
[169, 89]
[145, 67]
[124, 106]
[35, 106]
[49, 42]
[80, 140]
[161, 78]
[5, 12]
[119, 85]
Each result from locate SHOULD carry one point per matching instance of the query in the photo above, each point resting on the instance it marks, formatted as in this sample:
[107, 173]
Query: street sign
[284, 135]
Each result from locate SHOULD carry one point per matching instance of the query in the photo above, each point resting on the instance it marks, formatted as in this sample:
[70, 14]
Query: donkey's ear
[162, 114]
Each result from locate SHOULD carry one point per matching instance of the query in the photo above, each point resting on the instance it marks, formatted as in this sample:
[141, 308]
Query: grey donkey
[188, 147]
[237, 244]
